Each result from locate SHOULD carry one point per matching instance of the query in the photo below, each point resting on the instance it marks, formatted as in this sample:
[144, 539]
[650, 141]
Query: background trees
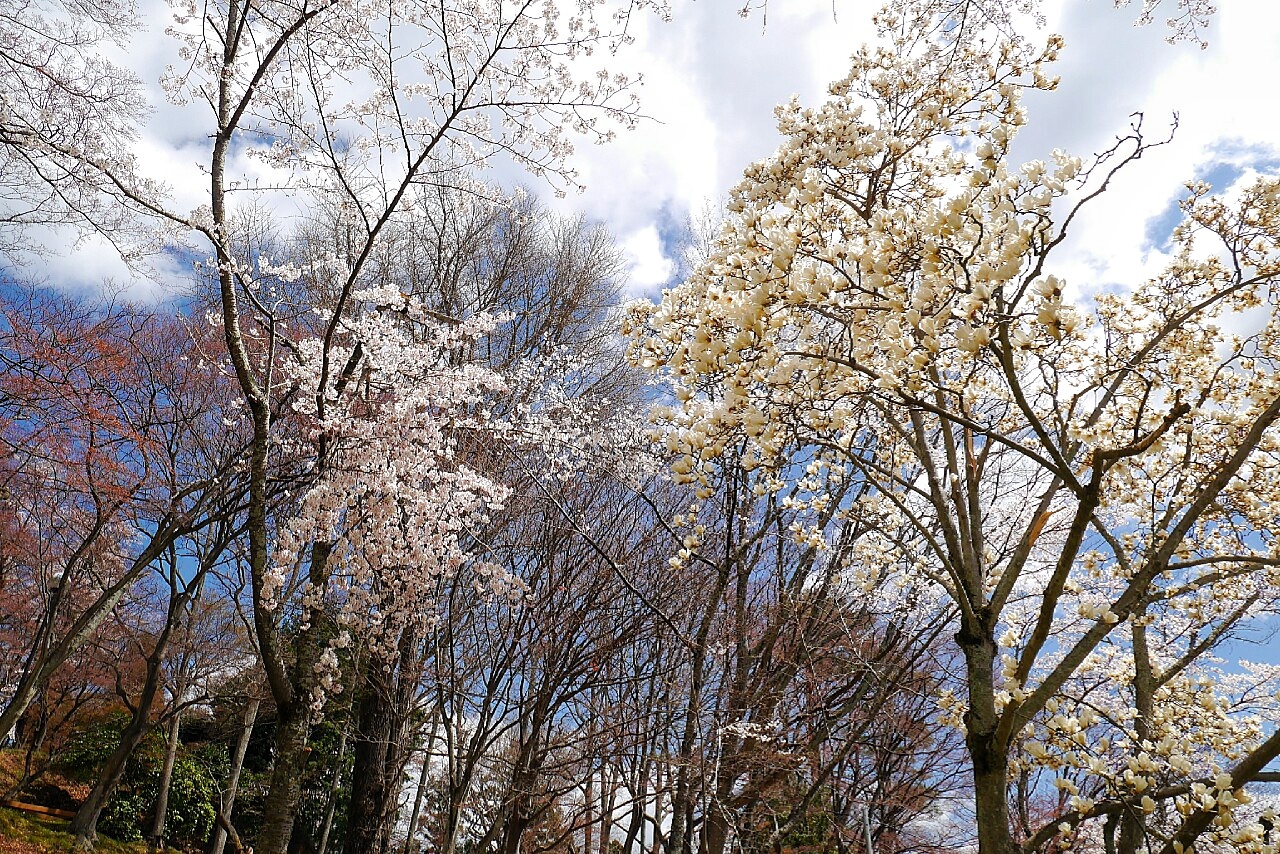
[567, 716]
[113, 455]
[445, 89]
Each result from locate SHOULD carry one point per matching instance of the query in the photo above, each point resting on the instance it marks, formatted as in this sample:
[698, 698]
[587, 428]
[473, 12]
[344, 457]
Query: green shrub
[192, 789]
[90, 746]
[128, 814]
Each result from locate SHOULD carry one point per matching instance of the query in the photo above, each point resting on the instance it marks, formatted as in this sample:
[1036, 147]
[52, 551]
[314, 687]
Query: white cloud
[713, 81]
[650, 267]
[1110, 70]
[92, 265]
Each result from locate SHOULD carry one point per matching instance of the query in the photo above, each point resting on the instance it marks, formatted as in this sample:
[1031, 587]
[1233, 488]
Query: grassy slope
[25, 833]
[28, 833]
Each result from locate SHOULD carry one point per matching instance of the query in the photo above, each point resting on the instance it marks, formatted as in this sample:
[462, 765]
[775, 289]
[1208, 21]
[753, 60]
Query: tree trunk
[369, 783]
[587, 805]
[990, 758]
[608, 799]
[524, 780]
[32, 741]
[715, 830]
[285, 790]
[681, 801]
[292, 690]
[661, 792]
[990, 776]
[635, 827]
[380, 754]
[453, 825]
[233, 782]
[422, 784]
[331, 802]
[1133, 830]
[155, 841]
[417, 805]
[85, 825]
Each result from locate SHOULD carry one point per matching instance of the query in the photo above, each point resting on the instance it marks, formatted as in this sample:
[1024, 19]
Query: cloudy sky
[712, 79]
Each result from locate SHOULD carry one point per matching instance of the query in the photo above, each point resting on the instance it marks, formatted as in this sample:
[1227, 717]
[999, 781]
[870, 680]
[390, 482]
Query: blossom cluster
[395, 502]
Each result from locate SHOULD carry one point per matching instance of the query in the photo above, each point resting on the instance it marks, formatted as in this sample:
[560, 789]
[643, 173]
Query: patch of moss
[27, 833]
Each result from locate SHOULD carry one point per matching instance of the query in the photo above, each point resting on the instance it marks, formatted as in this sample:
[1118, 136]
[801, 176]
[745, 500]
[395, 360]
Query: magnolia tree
[1092, 484]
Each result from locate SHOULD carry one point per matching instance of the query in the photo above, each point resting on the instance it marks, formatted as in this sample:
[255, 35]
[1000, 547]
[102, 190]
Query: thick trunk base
[285, 795]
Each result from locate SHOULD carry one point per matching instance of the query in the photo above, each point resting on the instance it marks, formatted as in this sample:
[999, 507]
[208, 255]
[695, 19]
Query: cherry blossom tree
[63, 107]
[1089, 482]
[1187, 23]
[361, 107]
[553, 278]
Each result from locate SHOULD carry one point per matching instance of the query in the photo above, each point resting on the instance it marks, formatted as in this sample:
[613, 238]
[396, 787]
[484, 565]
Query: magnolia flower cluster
[900, 278]
[395, 506]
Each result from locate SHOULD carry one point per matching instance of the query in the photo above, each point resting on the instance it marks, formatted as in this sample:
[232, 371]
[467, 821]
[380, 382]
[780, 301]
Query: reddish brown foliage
[111, 437]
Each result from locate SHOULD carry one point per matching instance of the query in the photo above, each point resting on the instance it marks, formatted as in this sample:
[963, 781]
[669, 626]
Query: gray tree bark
[155, 841]
[331, 804]
[233, 783]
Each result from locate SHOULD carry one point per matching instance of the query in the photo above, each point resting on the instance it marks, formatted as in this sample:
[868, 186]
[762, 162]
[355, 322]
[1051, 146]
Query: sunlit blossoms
[451, 87]
[396, 505]
[958, 549]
